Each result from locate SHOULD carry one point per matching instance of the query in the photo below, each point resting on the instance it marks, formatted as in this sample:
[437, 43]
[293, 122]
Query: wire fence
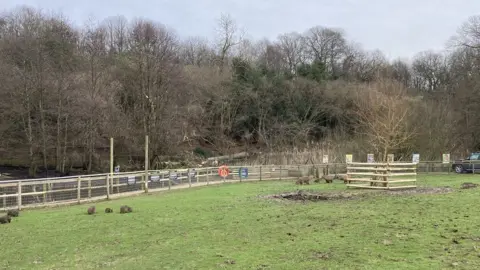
[77, 189]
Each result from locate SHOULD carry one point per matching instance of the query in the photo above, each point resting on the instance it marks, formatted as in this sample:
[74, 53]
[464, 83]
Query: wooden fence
[382, 175]
[32, 193]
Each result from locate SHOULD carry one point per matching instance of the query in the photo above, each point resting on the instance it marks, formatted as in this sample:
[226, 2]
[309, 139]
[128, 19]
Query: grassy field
[230, 227]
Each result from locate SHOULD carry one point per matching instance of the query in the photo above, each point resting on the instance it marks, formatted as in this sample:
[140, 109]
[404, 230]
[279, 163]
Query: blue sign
[243, 172]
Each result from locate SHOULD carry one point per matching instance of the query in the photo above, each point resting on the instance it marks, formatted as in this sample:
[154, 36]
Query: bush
[202, 152]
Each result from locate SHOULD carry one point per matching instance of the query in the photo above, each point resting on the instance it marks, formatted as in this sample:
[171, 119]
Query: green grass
[228, 227]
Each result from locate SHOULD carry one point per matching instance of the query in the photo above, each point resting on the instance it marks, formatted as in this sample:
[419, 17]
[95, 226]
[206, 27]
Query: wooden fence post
[280, 172]
[189, 178]
[19, 193]
[79, 183]
[240, 173]
[208, 181]
[260, 172]
[146, 181]
[112, 178]
[89, 188]
[108, 186]
[118, 184]
[44, 189]
[169, 180]
[4, 200]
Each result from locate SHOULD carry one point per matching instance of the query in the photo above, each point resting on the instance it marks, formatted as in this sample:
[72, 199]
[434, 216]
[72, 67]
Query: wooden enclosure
[382, 175]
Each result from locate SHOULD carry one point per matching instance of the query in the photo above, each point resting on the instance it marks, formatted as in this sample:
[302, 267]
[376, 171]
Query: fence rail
[382, 175]
[30, 193]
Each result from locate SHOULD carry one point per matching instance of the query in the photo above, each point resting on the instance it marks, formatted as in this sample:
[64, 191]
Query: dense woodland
[65, 90]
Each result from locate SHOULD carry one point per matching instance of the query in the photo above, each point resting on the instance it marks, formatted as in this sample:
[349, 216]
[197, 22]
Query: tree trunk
[58, 150]
[28, 127]
[32, 170]
[65, 144]
[44, 136]
[90, 150]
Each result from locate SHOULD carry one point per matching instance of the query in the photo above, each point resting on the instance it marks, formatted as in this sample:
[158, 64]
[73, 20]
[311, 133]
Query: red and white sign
[223, 171]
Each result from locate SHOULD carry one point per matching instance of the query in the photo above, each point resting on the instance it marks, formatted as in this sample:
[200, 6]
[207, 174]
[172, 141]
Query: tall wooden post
[145, 184]
[110, 176]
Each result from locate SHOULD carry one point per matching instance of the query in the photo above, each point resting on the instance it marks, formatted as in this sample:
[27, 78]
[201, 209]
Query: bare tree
[60, 46]
[292, 46]
[327, 46]
[468, 34]
[116, 34]
[95, 55]
[228, 36]
[429, 70]
[21, 50]
[364, 66]
[402, 72]
[384, 114]
[196, 51]
[271, 58]
[151, 96]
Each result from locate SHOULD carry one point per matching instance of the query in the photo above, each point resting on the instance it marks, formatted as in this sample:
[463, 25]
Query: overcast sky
[398, 28]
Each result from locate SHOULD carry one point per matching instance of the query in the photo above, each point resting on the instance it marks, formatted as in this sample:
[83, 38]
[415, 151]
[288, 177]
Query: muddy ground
[305, 195]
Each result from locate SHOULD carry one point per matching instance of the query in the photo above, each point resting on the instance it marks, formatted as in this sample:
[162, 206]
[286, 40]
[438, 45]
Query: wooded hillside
[64, 91]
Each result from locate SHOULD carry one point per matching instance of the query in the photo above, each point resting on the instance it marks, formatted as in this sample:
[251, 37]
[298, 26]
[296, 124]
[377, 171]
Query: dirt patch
[303, 195]
[419, 190]
[468, 185]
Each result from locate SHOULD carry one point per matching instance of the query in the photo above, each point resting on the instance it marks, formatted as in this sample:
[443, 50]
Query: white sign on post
[325, 159]
[370, 158]
[446, 158]
[349, 158]
[416, 158]
[131, 180]
[173, 176]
